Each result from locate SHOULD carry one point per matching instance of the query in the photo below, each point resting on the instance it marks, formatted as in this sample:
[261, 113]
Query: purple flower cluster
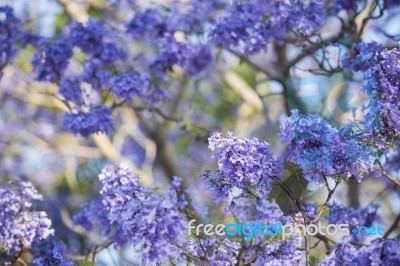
[347, 5]
[130, 85]
[20, 227]
[90, 37]
[155, 222]
[252, 25]
[71, 90]
[383, 251]
[310, 209]
[339, 214]
[224, 252]
[95, 74]
[51, 59]
[213, 251]
[151, 22]
[243, 163]
[159, 26]
[50, 63]
[50, 252]
[381, 70]
[8, 35]
[322, 151]
[193, 59]
[86, 123]
[279, 253]
[93, 215]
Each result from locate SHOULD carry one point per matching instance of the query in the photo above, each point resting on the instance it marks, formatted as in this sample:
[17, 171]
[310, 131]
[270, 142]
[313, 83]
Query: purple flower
[310, 209]
[171, 52]
[250, 26]
[130, 85]
[322, 151]
[245, 164]
[71, 90]
[383, 251]
[9, 34]
[155, 221]
[347, 5]
[50, 252]
[94, 121]
[95, 74]
[198, 59]
[149, 22]
[281, 253]
[51, 59]
[307, 18]
[20, 227]
[215, 252]
[245, 25]
[93, 215]
[381, 72]
[89, 37]
[355, 218]
[110, 53]
[339, 214]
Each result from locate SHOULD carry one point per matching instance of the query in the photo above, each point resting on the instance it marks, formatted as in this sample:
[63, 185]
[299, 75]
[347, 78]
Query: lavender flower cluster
[380, 67]
[380, 252]
[244, 164]
[323, 151]
[155, 222]
[20, 226]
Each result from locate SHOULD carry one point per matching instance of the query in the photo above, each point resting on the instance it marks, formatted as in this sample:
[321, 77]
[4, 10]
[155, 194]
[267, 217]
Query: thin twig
[387, 175]
[328, 198]
[92, 254]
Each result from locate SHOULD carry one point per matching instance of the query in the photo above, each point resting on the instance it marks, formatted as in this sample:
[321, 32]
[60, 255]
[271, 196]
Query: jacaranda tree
[107, 108]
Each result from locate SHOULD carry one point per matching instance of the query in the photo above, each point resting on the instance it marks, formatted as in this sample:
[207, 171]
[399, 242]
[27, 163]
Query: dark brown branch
[97, 249]
[387, 175]
[393, 227]
[328, 198]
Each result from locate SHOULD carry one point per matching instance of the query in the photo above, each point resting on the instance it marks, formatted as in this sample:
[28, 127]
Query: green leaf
[312, 261]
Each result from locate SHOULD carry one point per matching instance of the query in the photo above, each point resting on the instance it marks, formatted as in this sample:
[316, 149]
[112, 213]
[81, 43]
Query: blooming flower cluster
[339, 214]
[93, 215]
[384, 251]
[8, 35]
[252, 25]
[50, 251]
[280, 253]
[212, 251]
[51, 59]
[156, 222]
[323, 151]
[20, 227]
[245, 164]
[86, 123]
[131, 85]
[349, 6]
[381, 71]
